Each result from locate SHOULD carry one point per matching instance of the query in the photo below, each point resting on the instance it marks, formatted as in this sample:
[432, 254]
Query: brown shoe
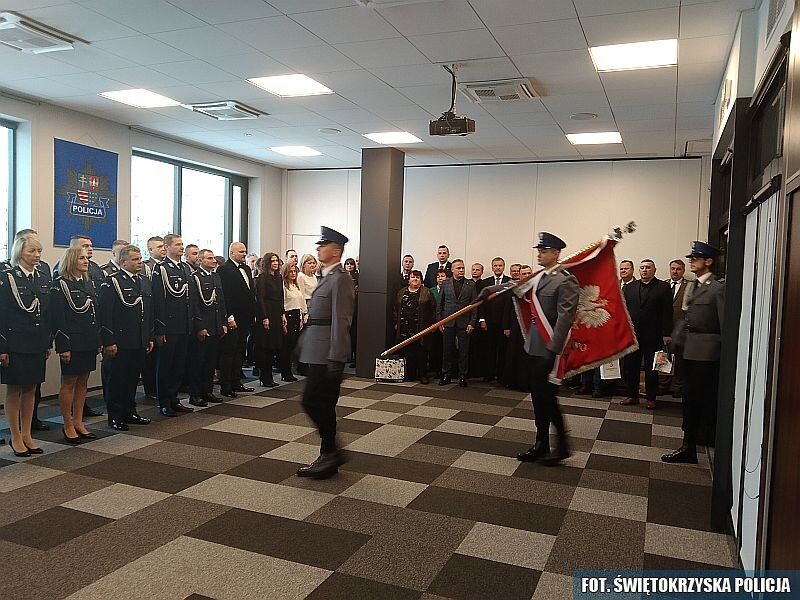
[629, 401]
[650, 405]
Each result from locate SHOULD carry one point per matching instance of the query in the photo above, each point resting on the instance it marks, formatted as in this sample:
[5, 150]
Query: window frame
[232, 180]
[11, 200]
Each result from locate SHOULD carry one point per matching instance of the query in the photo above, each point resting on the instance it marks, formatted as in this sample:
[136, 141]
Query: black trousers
[700, 397]
[232, 350]
[450, 335]
[495, 350]
[202, 362]
[123, 378]
[293, 318]
[416, 356]
[320, 396]
[545, 404]
[149, 373]
[435, 356]
[633, 364]
[171, 363]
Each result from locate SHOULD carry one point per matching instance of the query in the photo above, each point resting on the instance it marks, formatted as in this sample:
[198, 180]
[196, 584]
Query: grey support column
[379, 252]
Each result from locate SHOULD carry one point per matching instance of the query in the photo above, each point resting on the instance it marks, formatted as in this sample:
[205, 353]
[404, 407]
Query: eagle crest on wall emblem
[591, 312]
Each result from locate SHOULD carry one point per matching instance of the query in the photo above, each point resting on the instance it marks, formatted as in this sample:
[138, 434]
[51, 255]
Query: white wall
[41, 123]
[489, 210]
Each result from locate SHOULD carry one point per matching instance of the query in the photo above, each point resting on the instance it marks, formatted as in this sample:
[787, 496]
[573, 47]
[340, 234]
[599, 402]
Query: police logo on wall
[85, 194]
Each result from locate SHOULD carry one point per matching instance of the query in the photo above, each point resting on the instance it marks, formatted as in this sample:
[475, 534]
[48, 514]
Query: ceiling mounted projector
[450, 123]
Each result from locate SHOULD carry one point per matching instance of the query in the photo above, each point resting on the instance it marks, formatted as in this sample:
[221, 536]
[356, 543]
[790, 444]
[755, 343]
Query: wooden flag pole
[616, 233]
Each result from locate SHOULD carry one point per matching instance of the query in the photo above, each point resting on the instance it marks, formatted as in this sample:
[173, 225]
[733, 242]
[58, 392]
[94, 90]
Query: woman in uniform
[77, 339]
[25, 338]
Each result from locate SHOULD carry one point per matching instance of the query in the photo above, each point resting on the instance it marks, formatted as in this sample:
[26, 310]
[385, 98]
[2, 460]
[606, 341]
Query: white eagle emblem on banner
[591, 312]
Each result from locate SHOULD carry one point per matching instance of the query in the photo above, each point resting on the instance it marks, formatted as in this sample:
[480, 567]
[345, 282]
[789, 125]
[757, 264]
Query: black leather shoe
[167, 411]
[118, 425]
[38, 425]
[445, 380]
[290, 379]
[178, 407]
[34, 450]
[551, 459]
[462, 382]
[327, 464]
[212, 398]
[242, 388]
[681, 455]
[88, 411]
[229, 394]
[87, 436]
[24, 454]
[137, 419]
[424, 380]
[534, 453]
[197, 401]
[72, 440]
[266, 384]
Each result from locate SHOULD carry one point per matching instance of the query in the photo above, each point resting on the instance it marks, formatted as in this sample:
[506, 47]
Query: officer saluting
[326, 349]
[173, 324]
[126, 332]
[210, 324]
[557, 294]
[699, 334]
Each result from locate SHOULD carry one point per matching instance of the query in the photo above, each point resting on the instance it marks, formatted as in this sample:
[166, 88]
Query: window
[6, 186]
[203, 209]
[204, 206]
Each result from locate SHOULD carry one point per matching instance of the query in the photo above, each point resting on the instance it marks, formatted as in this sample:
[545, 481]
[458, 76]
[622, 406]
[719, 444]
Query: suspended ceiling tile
[637, 80]
[552, 36]
[653, 95]
[252, 64]
[140, 77]
[92, 58]
[291, 7]
[431, 17]
[350, 24]
[213, 11]
[498, 13]
[709, 18]
[194, 72]
[142, 49]
[314, 59]
[273, 33]
[80, 21]
[204, 42]
[145, 16]
[458, 46]
[640, 26]
[704, 49]
[590, 8]
[408, 75]
[383, 53]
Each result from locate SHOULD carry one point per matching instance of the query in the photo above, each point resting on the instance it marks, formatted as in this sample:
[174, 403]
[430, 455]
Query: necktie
[497, 281]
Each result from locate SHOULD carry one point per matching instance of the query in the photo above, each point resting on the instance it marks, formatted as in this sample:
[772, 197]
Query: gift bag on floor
[663, 361]
[390, 369]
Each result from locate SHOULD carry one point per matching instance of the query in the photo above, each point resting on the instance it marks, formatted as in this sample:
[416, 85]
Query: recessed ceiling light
[330, 130]
[584, 116]
[639, 55]
[603, 137]
[140, 98]
[295, 151]
[393, 137]
[289, 86]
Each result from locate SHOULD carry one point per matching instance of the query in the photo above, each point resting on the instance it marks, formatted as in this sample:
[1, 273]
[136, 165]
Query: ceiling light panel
[603, 137]
[639, 55]
[393, 137]
[289, 86]
[140, 98]
[296, 151]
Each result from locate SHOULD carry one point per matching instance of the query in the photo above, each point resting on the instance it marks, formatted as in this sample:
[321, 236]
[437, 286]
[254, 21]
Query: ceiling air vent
[504, 90]
[31, 37]
[773, 12]
[228, 110]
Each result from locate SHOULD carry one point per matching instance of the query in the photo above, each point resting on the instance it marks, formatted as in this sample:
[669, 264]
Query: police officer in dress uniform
[172, 312]
[699, 333]
[25, 338]
[210, 324]
[112, 266]
[156, 252]
[557, 292]
[125, 313]
[325, 349]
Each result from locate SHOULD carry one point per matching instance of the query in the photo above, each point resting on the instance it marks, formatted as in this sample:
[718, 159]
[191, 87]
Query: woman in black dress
[25, 338]
[77, 338]
[413, 311]
[269, 292]
[352, 270]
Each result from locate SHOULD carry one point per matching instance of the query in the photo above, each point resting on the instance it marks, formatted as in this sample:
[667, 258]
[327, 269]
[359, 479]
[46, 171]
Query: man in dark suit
[477, 339]
[325, 348]
[678, 285]
[407, 267]
[456, 293]
[210, 324]
[490, 320]
[242, 307]
[172, 310]
[443, 254]
[699, 334]
[126, 332]
[649, 304]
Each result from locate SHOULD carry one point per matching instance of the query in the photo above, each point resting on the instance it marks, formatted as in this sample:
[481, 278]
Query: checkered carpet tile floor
[431, 505]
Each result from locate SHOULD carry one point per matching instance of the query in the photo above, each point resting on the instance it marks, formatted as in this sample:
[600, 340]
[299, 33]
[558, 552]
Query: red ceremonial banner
[602, 330]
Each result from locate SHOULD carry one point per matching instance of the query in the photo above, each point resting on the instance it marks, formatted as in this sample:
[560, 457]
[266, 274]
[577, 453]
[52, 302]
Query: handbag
[663, 361]
[390, 370]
